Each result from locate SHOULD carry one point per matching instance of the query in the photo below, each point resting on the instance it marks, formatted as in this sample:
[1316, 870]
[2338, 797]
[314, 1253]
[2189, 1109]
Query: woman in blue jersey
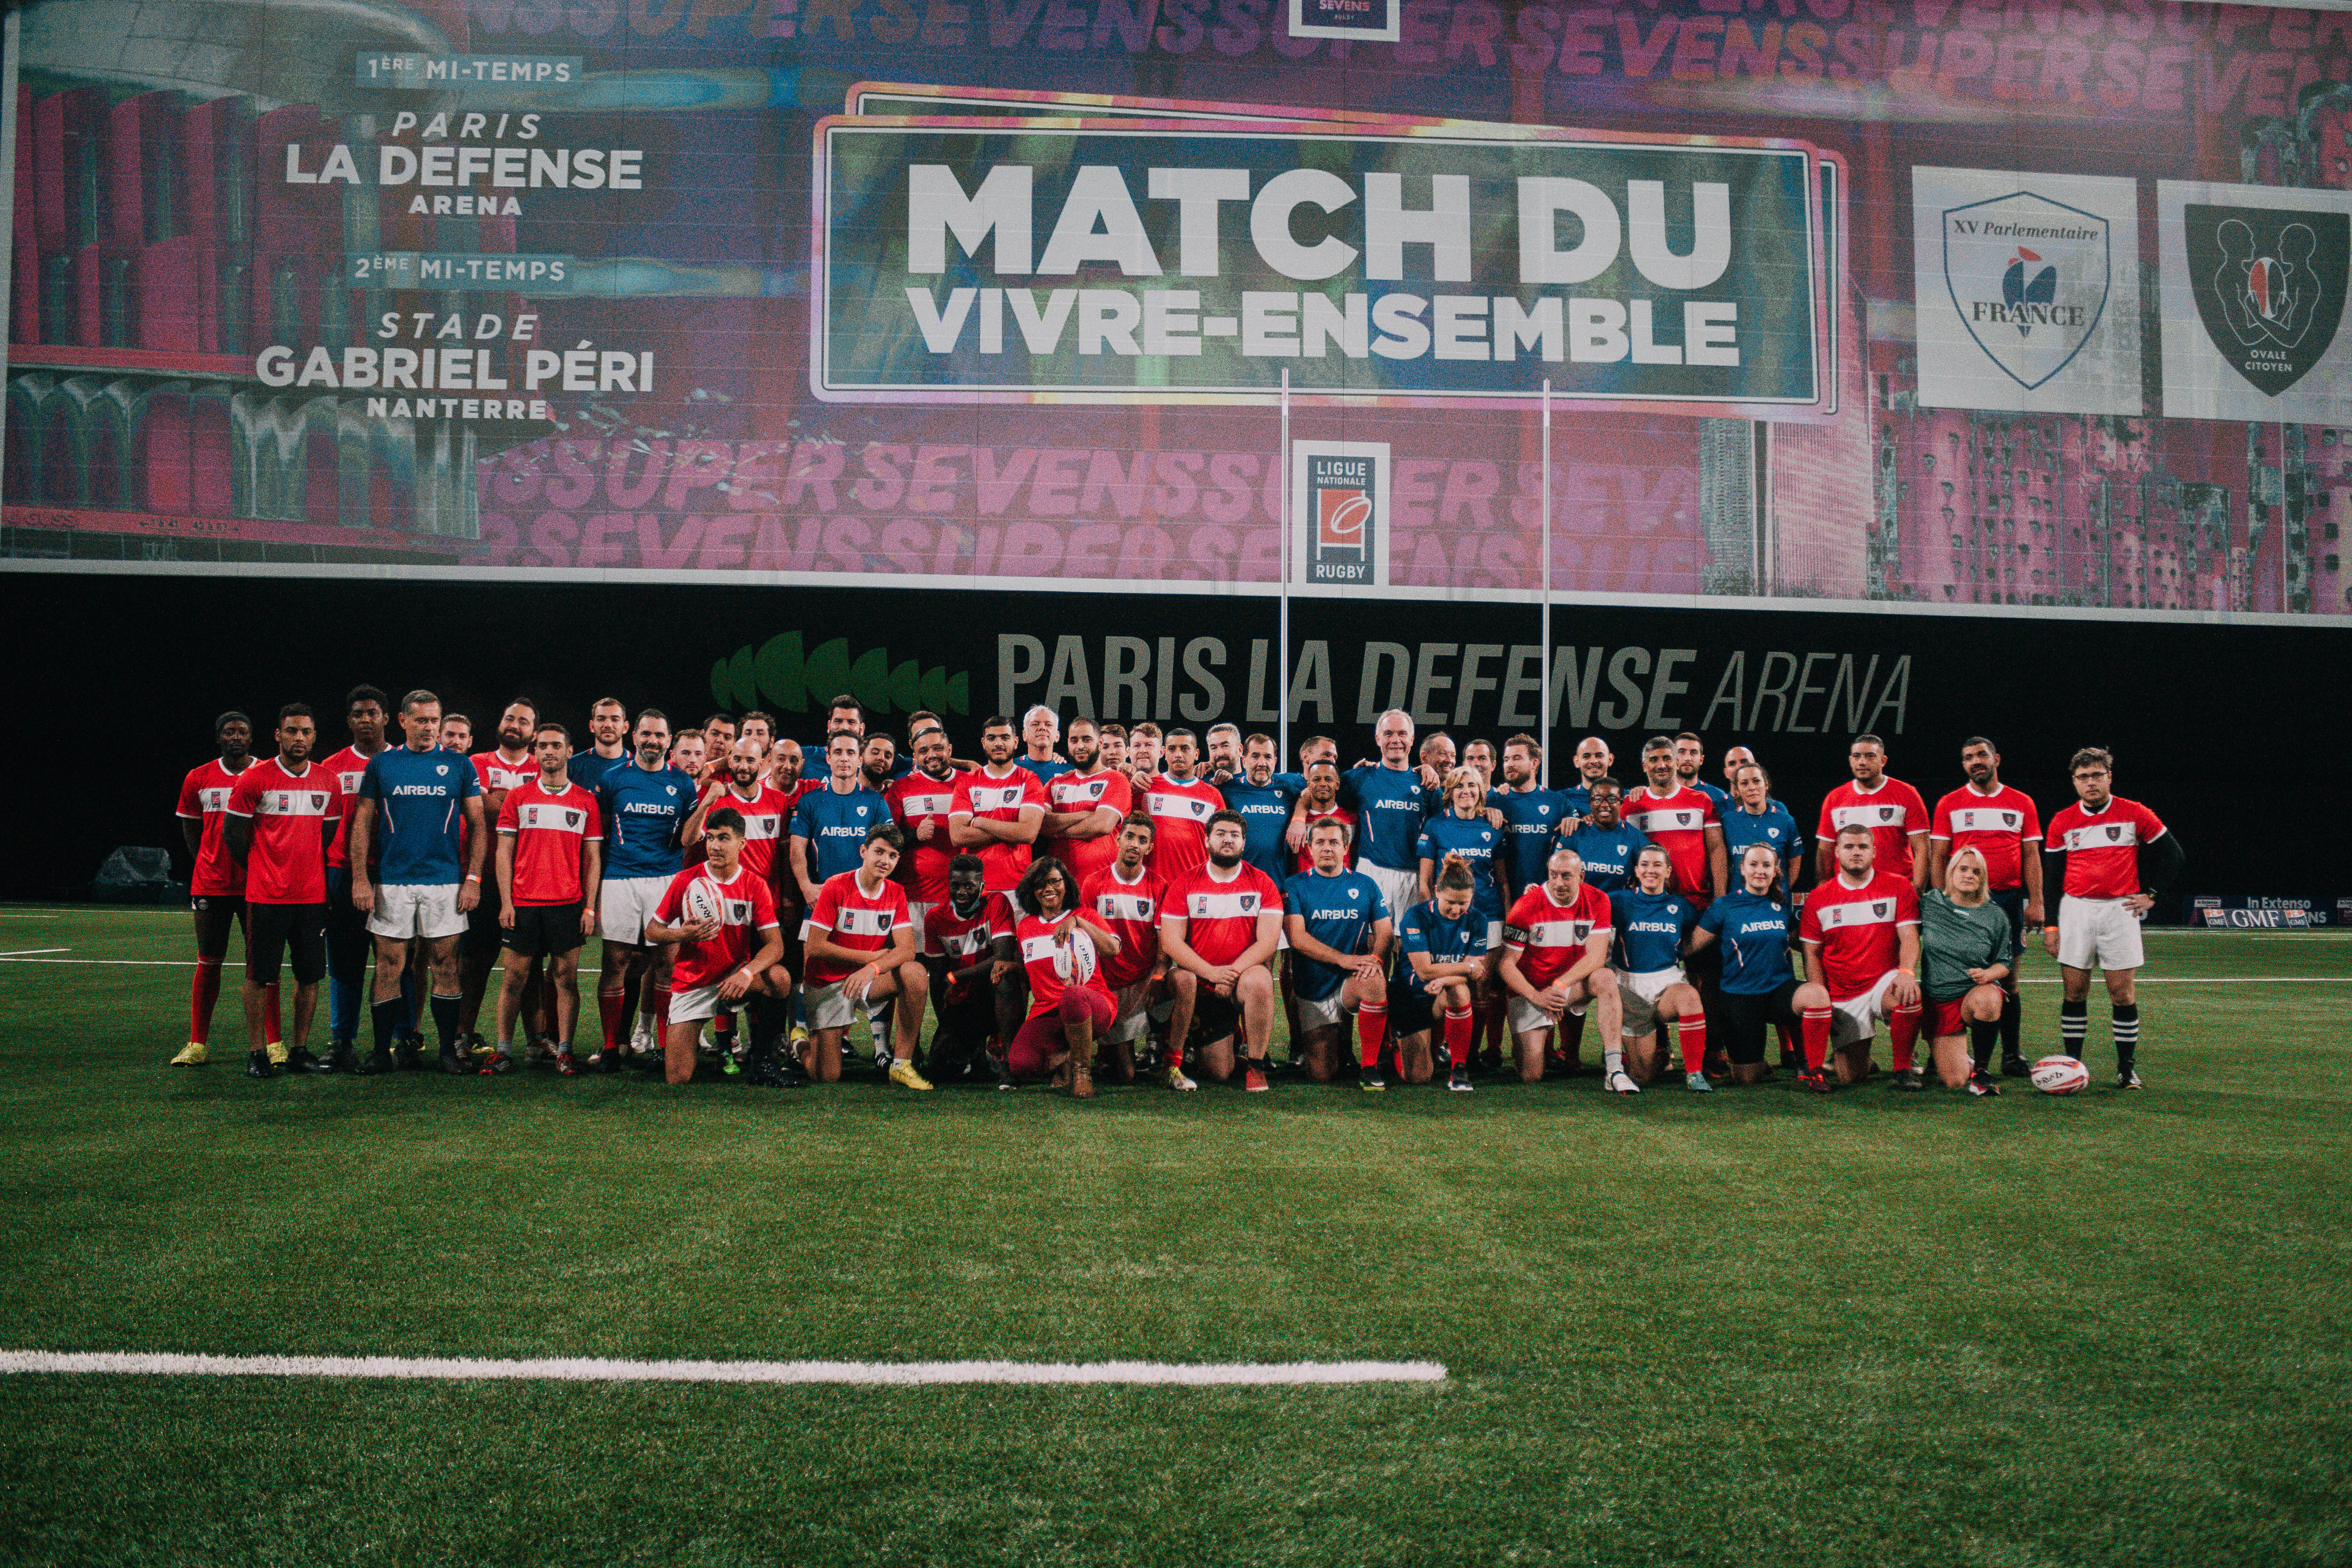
[1753, 817]
[1441, 954]
[1758, 987]
[1467, 829]
[1652, 923]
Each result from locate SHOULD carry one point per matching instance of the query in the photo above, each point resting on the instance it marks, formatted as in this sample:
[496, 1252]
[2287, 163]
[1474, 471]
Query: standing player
[2107, 890]
[1063, 949]
[216, 880]
[690, 755]
[1754, 817]
[1441, 954]
[861, 953]
[1652, 923]
[1180, 804]
[2001, 824]
[1320, 803]
[1891, 809]
[1218, 924]
[1751, 923]
[608, 733]
[1085, 802]
[1114, 748]
[1390, 808]
[1339, 939]
[1223, 764]
[1262, 799]
[507, 766]
[457, 733]
[1592, 759]
[364, 710]
[1861, 934]
[418, 840]
[1555, 963]
[1964, 946]
[830, 828]
[998, 811]
[1039, 728]
[1532, 817]
[1124, 898]
[1143, 754]
[643, 803]
[1690, 760]
[279, 817]
[758, 727]
[1683, 822]
[719, 736]
[1604, 842]
[920, 803]
[877, 762]
[957, 957]
[550, 865]
[725, 958]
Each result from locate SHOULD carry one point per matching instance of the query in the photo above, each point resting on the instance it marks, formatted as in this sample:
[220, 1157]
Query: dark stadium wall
[132, 669]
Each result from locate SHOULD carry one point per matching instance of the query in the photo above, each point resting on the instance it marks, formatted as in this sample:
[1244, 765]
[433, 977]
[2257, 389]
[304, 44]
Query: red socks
[1787, 1039]
[1459, 1034]
[608, 1007]
[1691, 1032]
[1817, 1037]
[1493, 1021]
[204, 991]
[270, 1031]
[1902, 1029]
[1371, 1031]
[661, 1015]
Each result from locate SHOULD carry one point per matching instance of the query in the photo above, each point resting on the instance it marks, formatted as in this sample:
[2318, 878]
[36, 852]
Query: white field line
[28, 952]
[590, 1369]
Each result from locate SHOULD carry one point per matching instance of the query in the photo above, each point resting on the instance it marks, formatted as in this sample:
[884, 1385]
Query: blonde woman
[1963, 958]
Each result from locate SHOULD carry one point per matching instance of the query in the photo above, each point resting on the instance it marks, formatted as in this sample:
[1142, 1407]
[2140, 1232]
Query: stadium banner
[1339, 515]
[2261, 913]
[534, 288]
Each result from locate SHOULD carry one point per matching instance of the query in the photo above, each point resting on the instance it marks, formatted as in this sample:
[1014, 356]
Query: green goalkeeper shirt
[1955, 939]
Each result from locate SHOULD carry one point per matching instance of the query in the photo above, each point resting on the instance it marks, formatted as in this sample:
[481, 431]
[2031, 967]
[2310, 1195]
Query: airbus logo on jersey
[2269, 286]
[434, 791]
[2029, 277]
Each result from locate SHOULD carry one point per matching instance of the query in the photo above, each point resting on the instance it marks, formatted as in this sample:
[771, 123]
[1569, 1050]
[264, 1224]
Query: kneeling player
[1069, 1005]
[1124, 898]
[957, 958]
[723, 958]
[1651, 925]
[1964, 952]
[1337, 924]
[1556, 944]
[861, 951]
[1758, 987]
[1860, 932]
[1441, 953]
[1219, 925]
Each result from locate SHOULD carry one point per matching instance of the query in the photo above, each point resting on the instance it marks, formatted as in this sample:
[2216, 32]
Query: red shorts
[1033, 1049]
[1944, 1018]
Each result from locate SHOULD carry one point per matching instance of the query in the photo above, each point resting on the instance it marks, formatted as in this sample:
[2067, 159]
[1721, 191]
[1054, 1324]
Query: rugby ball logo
[1341, 518]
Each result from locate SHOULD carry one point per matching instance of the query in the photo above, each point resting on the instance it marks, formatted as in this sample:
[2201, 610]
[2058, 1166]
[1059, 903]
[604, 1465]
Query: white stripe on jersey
[1070, 790]
[861, 922]
[214, 799]
[552, 816]
[1868, 817]
[1161, 804]
[1220, 906]
[929, 805]
[995, 797]
[1987, 819]
[1123, 906]
[964, 943]
[1559, 934]
[1858, 912]
[293, 803]
[762, 825]
[2121, 835]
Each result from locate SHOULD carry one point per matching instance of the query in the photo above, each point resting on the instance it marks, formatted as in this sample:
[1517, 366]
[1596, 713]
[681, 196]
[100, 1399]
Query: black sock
[445, 1020]
[2012, 1020]
[767, 1021]
[2127, 1027]
[2073, 1025]
[1981, 1037]
[389, 1016]
[1571, 1034]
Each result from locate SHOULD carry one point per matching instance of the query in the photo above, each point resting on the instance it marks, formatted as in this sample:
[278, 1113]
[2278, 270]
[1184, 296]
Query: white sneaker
[642, 1043]
[1177, 1080]
[1619, 1082]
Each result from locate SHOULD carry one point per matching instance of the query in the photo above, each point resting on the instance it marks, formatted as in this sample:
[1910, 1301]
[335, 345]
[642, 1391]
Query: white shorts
[918, 912]
[1855, 1019]
[1323, 1014]
[2098, 933]
[625, 905]
[832, 1006]
[1527, 1017]
[1400, 889]
[1494, 935]
[693, 1006]
[1133, 1016]
[1640, 993]
[415, 908]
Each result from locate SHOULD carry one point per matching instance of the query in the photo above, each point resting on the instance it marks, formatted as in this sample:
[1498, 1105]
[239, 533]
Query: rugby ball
[1074, 965]
[2060, 1075]
[701, 901]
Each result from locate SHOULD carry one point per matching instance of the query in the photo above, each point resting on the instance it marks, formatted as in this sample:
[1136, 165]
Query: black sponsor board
[132, 669]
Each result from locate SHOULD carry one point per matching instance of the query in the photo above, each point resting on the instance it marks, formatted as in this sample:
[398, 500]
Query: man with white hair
[1390, 808]
[1040, 727]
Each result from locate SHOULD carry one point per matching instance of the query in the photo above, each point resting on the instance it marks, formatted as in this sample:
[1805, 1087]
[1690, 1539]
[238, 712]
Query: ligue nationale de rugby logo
[1340, 491]
[2269, 285]
[2029, 277]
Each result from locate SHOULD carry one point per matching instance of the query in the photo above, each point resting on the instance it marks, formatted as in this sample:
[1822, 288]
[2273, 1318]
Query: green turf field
[1754, 1328]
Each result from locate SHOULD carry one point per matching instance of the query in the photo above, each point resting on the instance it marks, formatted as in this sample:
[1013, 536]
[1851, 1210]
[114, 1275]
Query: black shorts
[543, 931]
[1411, 1009]
[213, 911]
[1745, 1019]
[482, 933]
[2012, 902]
[1214, 1016]
[274, 931]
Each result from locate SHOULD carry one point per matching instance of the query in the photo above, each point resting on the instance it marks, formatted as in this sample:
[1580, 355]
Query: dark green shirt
[1955, 939]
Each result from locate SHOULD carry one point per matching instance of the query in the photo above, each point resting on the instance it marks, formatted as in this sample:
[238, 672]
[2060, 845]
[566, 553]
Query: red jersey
[1677, 824]
[1338, 813]
[548, 827]
[961, 940]
[767, 822]
[1179, 822]
[1088, 792]
[349, 767]
[1855, 928]
[1130, 911]
[1050, 964]
[494, 772]
[855, 918]
[2102, 847]
[287, 862]
[914, 800]
[203, 797]
[1893, 812]
[1996, 825]
[988, 797]
[1219, 913]
[1549, 936]
[746, 910]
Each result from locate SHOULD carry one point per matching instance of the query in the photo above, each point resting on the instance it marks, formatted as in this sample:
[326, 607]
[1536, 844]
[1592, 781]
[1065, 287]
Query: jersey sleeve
[1034, 794]
[804, 824]
[1427, 848]
[511, 811]
[2032, 833]
[1907, 904]
[594, 826]
[2150, 825]
[673, 897]
[902, 914]
[824, 909]
[1827, 829]
[1000, 923]
[1603, 912]
[338, 803]
[1809, 924]
[1272, 889]
[1516, 920]
[1712, 921]
[190, 806]
[1349, 794]
[959, 799]
[469, 784]
[1940, 826]
[371, 778]
[1915, 812]
[1413, 937]
[246, 792]
[1119, 795]
[1172, 905]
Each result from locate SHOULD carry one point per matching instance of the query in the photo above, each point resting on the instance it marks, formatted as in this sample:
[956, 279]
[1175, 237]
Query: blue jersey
[1578, 798]
[643, 812]
[1265, 818]
[1609, 853]
[587, 770]
[1475, 839]
[1388, 807]
[1722, 798]
[1650, 929]
[419, 807]
[1047, 771]
[1773, 828]
[834, 826]
[1339, 912]
[1446, 941]
[1754, 931]
[1530, 818]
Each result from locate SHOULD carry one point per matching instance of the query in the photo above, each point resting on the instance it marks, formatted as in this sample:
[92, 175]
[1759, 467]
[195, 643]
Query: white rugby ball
[701, 901]
[1074, 965]
[2060, 1075]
